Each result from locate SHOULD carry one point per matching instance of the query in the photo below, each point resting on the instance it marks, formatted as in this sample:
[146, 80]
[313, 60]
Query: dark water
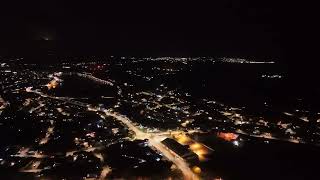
[78, 87]
[233, 84]
[243, 85]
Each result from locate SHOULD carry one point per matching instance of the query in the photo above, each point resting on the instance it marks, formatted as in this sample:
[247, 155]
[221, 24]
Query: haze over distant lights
[46, 38]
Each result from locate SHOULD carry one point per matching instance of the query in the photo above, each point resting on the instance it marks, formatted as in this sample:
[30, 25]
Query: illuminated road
[98, 80]
[154, 139]
[105, 171]
[46, 138]
[23, 152]
[32, 167]
[93, 78]
[180, 163]
[305, 119]
[269, 136]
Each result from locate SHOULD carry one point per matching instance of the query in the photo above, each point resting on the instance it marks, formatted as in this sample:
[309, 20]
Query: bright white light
[236, 143]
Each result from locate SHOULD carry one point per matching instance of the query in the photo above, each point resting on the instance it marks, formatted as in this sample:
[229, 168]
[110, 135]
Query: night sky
[247, 28]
